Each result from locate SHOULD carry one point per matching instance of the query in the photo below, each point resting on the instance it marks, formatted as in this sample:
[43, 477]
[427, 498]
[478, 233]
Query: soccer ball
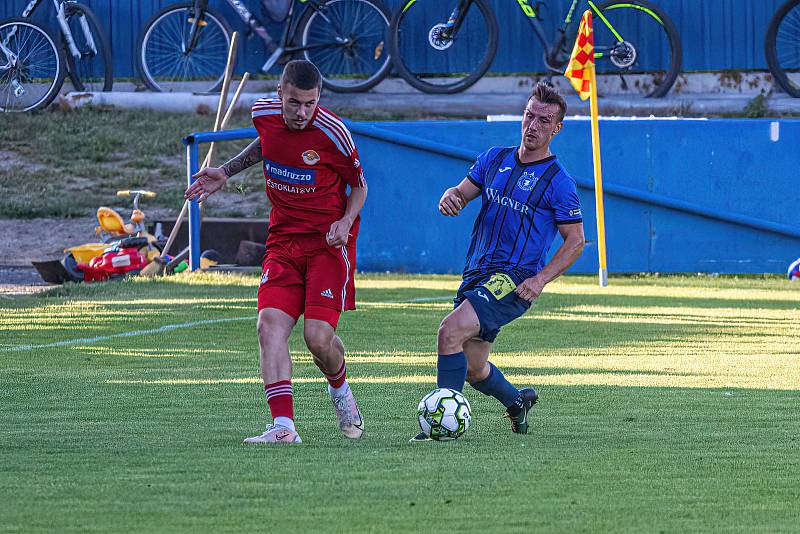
[794, 271]
[444, 414]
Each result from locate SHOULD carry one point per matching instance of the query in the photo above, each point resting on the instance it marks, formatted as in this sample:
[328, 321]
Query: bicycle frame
[11, 57]
[61, 17]
[556, 55]
[256, 25]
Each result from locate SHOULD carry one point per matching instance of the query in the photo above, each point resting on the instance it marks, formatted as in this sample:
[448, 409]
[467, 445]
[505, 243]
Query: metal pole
[194, 207]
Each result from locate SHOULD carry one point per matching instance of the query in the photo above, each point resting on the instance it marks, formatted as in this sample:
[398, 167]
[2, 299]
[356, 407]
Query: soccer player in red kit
[309, 160]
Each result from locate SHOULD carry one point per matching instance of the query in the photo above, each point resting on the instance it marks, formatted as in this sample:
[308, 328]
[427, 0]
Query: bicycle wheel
[636, 40]
[165, 61]
[783, 47]
[31, 66]
[346, 40]
[433, 61]
[91, 68]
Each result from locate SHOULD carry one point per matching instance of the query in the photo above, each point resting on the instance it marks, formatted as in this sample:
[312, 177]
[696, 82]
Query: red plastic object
[113, 264]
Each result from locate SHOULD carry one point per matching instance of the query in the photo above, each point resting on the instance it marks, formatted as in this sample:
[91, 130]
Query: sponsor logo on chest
[289, 175]
[495, 196]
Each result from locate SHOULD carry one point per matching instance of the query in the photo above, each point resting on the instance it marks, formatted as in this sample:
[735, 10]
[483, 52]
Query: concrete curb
[695, 94]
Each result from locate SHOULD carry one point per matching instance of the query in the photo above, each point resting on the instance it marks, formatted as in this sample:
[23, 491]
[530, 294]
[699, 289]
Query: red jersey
[306, 171]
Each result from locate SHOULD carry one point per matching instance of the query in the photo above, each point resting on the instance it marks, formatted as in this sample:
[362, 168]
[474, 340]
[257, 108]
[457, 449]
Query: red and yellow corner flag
[582, 59]
[581, 74]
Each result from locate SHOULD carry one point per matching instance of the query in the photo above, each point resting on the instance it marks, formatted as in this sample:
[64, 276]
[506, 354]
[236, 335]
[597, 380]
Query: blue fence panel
[716, 34]
[681, 196]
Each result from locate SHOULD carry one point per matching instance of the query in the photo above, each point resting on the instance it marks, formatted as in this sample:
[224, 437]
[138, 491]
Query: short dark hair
[302, 74]
[545, 93]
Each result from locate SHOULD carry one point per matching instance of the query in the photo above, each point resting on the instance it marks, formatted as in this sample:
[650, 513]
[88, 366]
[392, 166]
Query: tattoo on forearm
[247, 158]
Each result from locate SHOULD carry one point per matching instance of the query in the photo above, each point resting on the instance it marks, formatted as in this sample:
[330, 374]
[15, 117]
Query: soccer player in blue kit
[526, 197]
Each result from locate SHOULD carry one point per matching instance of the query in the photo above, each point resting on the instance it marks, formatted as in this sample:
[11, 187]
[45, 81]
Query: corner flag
[582, 59]
[581, 74]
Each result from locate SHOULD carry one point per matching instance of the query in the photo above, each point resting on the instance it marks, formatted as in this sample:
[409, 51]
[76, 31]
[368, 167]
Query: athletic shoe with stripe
[277, 434]
[350, 421]
[519, 420]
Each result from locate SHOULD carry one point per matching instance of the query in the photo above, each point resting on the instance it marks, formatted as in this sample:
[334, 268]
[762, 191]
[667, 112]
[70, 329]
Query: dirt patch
[27, 240]
[19, 281]
[12, 159]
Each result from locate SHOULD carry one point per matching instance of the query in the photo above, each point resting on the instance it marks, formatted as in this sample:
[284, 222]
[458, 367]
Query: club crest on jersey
[527, 181]
[310, 157]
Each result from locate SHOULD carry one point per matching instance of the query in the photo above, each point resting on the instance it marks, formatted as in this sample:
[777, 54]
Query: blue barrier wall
[681, 195]
[716, 34]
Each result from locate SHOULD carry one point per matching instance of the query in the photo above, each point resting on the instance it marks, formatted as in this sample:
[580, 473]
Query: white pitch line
[169, 327]
[158, 330]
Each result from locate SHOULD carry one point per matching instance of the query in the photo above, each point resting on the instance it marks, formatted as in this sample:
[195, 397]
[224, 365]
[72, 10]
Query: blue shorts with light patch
[494, 308]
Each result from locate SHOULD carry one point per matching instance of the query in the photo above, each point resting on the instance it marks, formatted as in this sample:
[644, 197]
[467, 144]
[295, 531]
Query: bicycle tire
[141, 61]
[771, 49]
[60, 68]
[661, 88]
[303, 28]
[101, 43]
[416, 80]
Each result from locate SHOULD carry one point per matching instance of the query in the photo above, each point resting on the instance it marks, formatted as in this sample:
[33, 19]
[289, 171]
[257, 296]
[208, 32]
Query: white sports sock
[341, 390]
[285, 421]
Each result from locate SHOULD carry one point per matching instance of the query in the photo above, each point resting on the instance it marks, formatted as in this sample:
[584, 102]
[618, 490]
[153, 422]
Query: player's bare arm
[455, 198]
[339, 233]
[569, 251]
[211, 179]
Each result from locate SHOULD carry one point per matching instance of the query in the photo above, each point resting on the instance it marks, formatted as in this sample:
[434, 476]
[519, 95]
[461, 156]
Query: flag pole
[598, 181]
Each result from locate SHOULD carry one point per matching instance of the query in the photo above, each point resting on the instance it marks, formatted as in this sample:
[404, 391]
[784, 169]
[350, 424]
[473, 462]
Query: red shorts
[302, 275]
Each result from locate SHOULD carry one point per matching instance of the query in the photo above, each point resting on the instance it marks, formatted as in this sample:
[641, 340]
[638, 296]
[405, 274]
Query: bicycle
[86, 49]
[184, 46]
[442, 48]
[782, 47]
[33, 66]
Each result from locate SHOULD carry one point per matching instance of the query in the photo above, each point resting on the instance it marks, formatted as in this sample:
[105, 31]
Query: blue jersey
[522, 204]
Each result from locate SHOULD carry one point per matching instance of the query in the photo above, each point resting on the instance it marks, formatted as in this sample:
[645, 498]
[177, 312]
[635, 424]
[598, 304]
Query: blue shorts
[494, 300]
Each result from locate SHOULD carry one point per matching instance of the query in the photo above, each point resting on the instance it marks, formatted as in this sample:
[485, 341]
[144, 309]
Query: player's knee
[450, 338]
[318, 340]
[262, 327]
[268, 333]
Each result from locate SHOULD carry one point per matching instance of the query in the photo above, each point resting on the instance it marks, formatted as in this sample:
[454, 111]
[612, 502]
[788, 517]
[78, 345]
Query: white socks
[341, 390]
[286, 422]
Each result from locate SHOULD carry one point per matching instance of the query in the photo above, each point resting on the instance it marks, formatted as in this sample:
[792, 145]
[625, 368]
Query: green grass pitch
[667, 404]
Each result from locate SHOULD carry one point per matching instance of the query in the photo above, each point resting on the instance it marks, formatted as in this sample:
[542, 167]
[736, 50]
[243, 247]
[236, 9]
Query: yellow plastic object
[111, 222]
[205, 263]
[128, 193]
[84, 253]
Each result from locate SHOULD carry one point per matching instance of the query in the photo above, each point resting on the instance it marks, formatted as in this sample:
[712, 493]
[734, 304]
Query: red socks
[337, 379]
[279, 398]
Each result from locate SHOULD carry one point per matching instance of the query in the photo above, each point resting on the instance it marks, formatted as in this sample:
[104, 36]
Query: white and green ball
[444, 414]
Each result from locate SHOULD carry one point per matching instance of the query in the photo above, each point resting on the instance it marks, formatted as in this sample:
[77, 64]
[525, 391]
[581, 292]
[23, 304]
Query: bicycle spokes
[29, 67]
[181, 54]
[440, 45]
[346, 41]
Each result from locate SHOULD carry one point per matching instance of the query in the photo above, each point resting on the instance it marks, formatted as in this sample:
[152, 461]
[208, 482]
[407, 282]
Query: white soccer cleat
[276, 434]
[350, 421]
